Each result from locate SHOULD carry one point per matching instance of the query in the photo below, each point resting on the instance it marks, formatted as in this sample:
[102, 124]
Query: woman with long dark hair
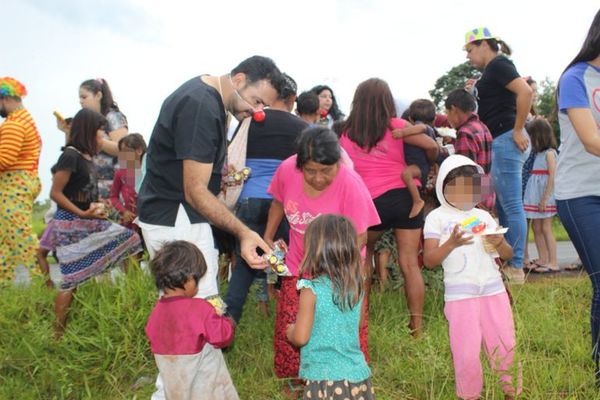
[577, 182]
[328, 107]
[85, 243]
[379, 159]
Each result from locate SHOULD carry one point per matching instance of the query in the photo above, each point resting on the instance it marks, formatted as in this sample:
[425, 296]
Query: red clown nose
[323, 113]
[258, 116]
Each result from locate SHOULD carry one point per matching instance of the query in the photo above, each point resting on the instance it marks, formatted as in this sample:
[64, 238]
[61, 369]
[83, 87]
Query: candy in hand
[276, 259]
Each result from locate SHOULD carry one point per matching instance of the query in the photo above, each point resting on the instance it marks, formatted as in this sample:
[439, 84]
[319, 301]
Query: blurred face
[128, 157]
[89, 100]
[248, 98]
[464, 193]
[319, 176]
[325, 100]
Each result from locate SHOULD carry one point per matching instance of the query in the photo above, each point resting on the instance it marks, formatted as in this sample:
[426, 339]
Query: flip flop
[575, 266]
[531, 265]
[544, 269]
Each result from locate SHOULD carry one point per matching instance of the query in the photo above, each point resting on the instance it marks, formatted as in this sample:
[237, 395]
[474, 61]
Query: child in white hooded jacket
[464, 240]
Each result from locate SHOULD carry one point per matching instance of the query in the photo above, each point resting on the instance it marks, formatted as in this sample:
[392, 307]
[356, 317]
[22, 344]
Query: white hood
[450, 163]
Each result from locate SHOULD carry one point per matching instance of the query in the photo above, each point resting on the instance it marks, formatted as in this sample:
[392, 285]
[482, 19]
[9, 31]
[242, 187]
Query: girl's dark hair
[496, 45]
[84, 128]
[175, 263]
[466, 171]
[319, 144]
[542, 134]
[372, 109]
[107, 103]
[334, 111]
[331, 249]
[462, 100]
[307, 103]
[589, 50]
[591, 45]
[287, 87]
[134, 141]
[422, 110]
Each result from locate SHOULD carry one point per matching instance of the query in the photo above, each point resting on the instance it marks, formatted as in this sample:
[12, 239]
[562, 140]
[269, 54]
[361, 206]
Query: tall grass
[104, 351]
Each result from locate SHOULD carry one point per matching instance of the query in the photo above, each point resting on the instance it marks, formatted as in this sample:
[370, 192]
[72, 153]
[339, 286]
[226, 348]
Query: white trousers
[155, 236]
[200, 234]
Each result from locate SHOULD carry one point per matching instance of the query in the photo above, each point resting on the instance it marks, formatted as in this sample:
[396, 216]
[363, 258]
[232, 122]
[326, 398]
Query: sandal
[575, 266]
[531, 265]
[544, 269]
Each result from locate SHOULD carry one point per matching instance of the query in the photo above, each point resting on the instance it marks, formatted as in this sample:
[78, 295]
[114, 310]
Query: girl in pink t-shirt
[186, 333]
[379, 159]
[306, 185]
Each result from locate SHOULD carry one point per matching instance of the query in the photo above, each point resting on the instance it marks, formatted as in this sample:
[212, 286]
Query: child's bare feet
[416, 208]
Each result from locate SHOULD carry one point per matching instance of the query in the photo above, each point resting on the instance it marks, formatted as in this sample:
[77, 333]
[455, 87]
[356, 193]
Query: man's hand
[249, 241]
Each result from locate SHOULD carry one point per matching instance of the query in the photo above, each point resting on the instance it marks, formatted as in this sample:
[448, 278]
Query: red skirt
[287, 357]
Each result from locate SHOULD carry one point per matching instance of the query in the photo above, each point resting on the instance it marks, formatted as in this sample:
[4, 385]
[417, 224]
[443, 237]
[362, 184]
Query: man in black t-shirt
[185, 158]
[269, 143]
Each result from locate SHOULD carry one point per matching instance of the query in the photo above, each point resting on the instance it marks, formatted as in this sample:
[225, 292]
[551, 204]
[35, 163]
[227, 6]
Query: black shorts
[393, 208]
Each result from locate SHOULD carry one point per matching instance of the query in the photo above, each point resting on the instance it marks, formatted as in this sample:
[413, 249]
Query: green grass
[104, 351]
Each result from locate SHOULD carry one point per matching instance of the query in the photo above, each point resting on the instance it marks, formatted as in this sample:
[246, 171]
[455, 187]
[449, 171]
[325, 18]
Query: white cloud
[146, 48]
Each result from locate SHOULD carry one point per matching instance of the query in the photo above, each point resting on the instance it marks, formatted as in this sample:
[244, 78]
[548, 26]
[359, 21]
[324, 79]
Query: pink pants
[473, 321]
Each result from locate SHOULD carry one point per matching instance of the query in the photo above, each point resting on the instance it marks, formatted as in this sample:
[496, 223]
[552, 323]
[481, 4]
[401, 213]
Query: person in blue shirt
[577, 181]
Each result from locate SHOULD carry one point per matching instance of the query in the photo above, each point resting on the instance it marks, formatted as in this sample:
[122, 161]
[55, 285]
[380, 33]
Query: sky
[145, 49]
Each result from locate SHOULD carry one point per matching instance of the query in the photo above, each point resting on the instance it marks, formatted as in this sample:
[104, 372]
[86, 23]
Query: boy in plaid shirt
[473, 138]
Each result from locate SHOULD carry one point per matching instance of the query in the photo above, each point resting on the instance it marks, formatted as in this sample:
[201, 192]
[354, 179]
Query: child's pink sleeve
[115, 192]
[219, 330]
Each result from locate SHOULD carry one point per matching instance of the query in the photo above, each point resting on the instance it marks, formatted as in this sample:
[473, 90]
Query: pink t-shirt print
[381, 168]
[347, 195]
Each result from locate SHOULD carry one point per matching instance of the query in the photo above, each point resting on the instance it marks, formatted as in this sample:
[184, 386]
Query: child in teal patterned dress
[328, 317]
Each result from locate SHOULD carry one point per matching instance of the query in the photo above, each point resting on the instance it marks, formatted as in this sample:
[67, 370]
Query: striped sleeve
[12, 136]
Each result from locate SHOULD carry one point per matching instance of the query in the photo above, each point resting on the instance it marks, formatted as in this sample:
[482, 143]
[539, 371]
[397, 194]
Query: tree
[546, 104]
[453, 79]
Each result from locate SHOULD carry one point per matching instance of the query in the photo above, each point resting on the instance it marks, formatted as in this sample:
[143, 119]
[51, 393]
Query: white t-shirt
[469, 271]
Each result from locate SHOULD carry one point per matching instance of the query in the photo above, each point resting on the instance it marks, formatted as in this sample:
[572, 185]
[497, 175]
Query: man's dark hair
[319, 144]
[422, 110]
[175, 263]
[462, 100]
[84, 128]
[307, 103]
[257, 68]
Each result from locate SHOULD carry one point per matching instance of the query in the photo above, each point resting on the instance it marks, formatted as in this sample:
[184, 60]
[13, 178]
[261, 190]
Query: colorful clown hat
[479, 34]
[10, 87]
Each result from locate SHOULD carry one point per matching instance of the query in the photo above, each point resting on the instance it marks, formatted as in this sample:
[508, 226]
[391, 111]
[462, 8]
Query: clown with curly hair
[20, 146]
